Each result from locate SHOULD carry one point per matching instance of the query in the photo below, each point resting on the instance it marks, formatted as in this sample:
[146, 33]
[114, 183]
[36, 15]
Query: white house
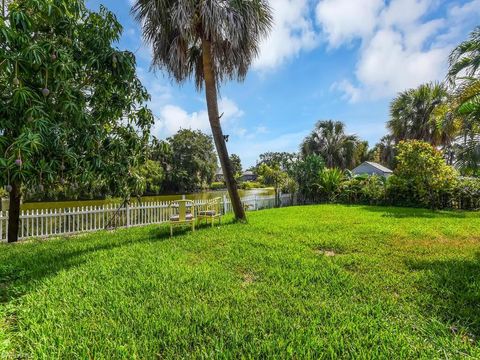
[219, 175]
[372, 168]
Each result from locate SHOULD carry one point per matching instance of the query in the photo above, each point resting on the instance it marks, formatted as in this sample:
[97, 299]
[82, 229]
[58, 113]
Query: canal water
[80, 203]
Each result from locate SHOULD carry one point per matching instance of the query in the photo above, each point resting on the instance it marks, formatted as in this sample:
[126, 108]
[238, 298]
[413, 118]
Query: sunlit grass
[313, 281]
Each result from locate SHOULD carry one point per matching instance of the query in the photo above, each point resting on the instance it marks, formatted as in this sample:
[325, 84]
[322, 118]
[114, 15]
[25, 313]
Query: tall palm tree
[329, 140]
[465, 58]
[209, 41]
[413, 115]
[464, 76]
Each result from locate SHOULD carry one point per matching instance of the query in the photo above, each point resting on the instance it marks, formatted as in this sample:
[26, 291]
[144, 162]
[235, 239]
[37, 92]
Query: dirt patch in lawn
[248, 279]
[325, 252]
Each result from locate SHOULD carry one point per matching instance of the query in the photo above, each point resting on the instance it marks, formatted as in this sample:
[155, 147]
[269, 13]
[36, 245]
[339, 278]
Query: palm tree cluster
[446, 115]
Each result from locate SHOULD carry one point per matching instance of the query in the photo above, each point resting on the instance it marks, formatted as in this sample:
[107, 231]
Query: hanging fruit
[9, 188]
[18, 162]
[53, 56]
[45, 90]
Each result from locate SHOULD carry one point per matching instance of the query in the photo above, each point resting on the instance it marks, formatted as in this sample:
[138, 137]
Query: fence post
[127, 208]
[224, 204]
[183, 197]
[255, 202]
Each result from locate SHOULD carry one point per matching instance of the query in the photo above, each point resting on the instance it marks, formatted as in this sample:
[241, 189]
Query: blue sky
[325, 59]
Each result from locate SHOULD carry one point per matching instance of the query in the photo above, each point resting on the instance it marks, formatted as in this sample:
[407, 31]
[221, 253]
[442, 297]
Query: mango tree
[71, 104]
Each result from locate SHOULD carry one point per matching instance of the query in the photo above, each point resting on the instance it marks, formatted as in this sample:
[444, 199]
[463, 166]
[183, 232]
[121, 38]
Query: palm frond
[176, 28]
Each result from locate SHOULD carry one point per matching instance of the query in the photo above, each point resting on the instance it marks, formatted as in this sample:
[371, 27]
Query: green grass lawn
[302, 282]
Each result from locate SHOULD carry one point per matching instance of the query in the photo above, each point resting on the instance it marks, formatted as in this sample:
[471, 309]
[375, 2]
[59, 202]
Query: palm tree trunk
[214, 118]
[14, 212]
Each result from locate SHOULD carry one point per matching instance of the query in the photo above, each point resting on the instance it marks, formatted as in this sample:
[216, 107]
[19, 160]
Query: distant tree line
[433, 146]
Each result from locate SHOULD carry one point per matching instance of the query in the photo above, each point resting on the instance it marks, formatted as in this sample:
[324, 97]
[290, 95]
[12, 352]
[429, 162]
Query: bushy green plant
[153, 174]
[466, 194]
[421, 177]
[329, 183]
[306, 172]
[217, 185]
[363, 189]
[249, 185]
[373, 190]
[273, 176]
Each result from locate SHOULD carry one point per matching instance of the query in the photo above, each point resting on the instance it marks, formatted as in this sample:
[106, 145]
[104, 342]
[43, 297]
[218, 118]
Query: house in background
[372, 168]
[219, 175]
[248, 176]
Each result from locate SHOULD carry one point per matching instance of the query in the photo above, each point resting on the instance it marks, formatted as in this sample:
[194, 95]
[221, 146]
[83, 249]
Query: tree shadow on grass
[159, 232]
[22, 265]
[402, 212]
[452, 290]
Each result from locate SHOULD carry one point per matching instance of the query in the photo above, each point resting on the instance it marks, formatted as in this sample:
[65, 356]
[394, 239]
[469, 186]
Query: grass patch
[314, 281]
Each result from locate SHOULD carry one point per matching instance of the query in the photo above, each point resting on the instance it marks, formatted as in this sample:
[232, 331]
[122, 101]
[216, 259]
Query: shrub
[217, 185]
[466, 194]
[306, 173]
[248, 185]
[329, 183]
[421, 177]
[363, 189]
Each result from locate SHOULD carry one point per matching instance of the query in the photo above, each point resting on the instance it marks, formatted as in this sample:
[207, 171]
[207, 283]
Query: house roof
[377, 166]
[248, 173]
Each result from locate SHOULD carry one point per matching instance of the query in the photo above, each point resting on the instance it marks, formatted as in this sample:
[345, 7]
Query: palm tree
[329, 140]
[467, 155]
[210, 41]
[465, 66]
[467, 100]
[465, 58]
[386, 151]
[413, 115]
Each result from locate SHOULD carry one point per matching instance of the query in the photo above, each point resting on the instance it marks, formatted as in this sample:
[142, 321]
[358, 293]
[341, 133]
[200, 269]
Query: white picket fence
[74, 220]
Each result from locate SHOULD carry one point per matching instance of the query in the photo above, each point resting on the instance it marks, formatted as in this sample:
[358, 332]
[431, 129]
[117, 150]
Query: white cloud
[399, 49]
[350, 92]
[387, 65]
[403, 13]
[345, 20]
[171, 118]
[292, 33]
[250, 148]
